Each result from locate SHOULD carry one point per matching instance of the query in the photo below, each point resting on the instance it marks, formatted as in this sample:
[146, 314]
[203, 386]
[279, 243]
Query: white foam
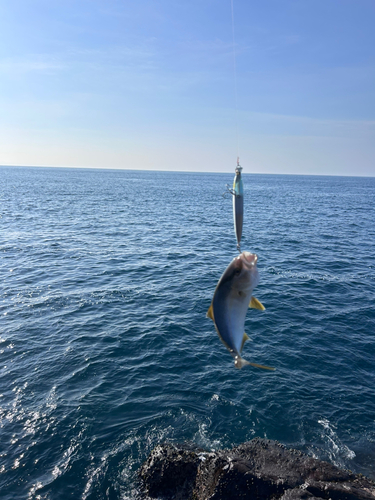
[338, 452]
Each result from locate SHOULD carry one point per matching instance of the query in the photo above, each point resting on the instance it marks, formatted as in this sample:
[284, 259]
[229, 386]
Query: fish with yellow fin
[232, 298]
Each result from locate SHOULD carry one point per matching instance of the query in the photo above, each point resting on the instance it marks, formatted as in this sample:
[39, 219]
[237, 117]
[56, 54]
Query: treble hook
[229, 190]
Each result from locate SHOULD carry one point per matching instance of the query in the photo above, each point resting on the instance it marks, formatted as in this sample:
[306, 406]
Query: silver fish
[237, 192]
[232, 298]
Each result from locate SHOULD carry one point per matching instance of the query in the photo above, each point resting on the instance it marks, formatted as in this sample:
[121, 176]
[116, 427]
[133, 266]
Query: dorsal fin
[210, 313]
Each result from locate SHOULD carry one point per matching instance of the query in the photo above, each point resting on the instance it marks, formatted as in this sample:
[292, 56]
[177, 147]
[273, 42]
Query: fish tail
[240, 362]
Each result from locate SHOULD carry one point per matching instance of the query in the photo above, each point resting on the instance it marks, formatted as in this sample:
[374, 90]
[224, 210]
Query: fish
[231, 299]
[237, 192]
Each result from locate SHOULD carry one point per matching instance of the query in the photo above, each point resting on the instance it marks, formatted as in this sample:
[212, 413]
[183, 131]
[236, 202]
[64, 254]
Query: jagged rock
[170, 472]
[259, 469]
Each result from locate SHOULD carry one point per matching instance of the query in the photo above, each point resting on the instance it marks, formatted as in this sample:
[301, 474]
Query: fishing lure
[237, 193]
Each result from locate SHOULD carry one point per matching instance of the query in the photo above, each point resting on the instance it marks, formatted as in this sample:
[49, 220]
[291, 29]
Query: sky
[154, 84]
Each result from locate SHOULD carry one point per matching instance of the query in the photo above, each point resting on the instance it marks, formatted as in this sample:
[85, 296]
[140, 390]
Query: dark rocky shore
[259, 469]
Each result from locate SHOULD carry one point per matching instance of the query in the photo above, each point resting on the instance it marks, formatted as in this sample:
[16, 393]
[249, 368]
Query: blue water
[105, 350]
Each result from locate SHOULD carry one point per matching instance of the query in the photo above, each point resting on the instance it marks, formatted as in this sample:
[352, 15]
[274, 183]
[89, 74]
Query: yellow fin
[240, 363]
[262, 366]
[256, 304]
[244, 338]
[210, 313]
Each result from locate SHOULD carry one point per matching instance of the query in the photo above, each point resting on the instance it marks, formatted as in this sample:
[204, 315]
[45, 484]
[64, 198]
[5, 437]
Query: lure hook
[228, 191]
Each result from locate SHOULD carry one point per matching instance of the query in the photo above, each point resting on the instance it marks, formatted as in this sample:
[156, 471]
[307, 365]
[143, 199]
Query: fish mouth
[249, 259]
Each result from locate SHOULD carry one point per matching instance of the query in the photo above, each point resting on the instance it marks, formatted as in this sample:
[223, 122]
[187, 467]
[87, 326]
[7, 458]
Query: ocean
[105, 348]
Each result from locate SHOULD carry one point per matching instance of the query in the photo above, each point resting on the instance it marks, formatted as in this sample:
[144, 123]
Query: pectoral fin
[256, 304]
[210, 313]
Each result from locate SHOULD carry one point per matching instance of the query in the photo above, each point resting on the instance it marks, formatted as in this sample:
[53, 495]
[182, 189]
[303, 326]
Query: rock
[259, 469]
[298, 494]
[170, 472]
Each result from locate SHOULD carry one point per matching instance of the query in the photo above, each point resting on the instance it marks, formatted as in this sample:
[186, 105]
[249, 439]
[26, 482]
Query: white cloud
[31, 64]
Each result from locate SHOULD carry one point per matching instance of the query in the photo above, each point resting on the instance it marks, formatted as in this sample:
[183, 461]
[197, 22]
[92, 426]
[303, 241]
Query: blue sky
[150, 84]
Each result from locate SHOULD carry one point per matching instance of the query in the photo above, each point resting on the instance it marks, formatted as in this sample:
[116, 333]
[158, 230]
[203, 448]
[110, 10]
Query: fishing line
[237, 190]
[235, 79]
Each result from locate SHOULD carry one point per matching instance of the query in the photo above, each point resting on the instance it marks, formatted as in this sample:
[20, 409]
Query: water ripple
[104, 343]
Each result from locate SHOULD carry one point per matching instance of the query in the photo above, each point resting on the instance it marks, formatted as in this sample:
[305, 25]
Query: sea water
[105, 348]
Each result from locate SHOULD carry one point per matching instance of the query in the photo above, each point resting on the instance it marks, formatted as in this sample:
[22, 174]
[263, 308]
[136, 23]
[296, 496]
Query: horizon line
[182, 171]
